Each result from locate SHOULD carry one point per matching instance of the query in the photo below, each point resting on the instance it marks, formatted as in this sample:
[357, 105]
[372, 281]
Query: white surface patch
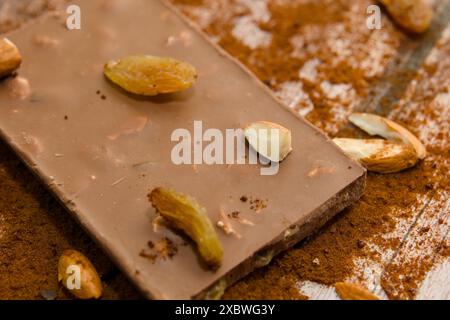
[258, 9]
[316, 291]
[292, 95]
[309, 70]
[335, 91]
[247, 31]
[436, 284]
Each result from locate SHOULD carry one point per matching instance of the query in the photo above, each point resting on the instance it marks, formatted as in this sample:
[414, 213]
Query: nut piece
[265, 135]
[376, 125]
[351, 291]
[413, 15]
[185, 214]
[79, 276]
[10, 58]
[19, 88]
[217, 290]
[149, 76]
[378, 155]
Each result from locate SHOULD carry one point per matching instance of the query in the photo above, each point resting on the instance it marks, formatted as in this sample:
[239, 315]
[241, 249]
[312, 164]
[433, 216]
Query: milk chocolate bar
[101, 150]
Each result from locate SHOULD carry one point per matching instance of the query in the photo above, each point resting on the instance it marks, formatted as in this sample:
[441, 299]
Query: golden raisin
[148, 75]
[185, 214]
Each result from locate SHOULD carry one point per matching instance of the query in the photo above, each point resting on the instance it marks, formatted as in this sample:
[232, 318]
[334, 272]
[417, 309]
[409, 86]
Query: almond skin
[252, 134]
[379, 155]
[90, 284]
[351, 291]
[412, 15]
[10, 58]
[376, 125]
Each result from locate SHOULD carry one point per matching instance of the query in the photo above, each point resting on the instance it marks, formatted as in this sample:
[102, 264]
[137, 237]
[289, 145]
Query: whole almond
[351, 291]
[74, 264]
[412, 15]
[10, 58]
[262, 135]
[376, 125]
[379, 155]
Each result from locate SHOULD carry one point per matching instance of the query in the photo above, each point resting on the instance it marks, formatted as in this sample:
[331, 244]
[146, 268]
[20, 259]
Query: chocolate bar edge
[316, 219]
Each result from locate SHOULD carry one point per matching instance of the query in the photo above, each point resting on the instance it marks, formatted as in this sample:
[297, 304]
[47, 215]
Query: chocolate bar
[101, 150]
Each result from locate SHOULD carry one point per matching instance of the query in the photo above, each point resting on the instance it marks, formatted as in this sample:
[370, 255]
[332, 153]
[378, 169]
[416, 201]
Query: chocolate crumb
[258, 204]
[244, 198]
[162, 249]
[103, 97]
[149, 256]
[235, 214]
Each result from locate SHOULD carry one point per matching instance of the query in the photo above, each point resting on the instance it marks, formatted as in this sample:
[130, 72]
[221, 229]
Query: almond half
[352, 291]
[262, 136]
[79, 276]
[379, 155]
[376, 125]
[413, 15]
[10, 58]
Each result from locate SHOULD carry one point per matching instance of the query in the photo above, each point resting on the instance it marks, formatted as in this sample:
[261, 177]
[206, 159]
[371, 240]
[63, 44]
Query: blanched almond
[10, 58]
[376, 125]
[413, 15]
[352, 291]
[379, 155]
[263, 135]
[79, 276]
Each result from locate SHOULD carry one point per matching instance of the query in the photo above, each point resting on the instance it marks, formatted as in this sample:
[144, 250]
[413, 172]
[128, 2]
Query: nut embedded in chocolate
[262, 136]
[10, 58]
[185, 214]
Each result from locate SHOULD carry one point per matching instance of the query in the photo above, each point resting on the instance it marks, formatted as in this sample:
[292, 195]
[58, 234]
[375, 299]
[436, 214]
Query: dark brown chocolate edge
[314, 221]
[300, 231]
